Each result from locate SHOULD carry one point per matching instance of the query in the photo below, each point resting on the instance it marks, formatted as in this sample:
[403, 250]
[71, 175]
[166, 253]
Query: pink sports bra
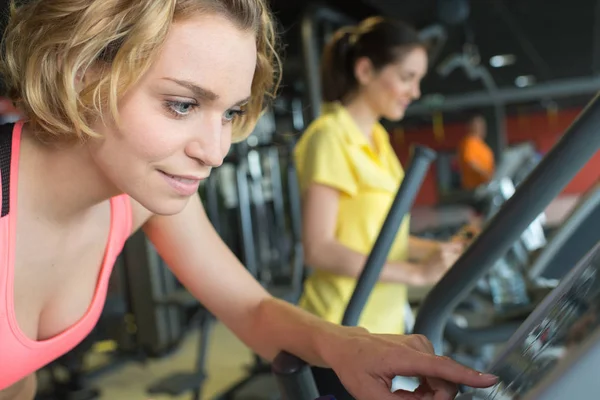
[19, 355]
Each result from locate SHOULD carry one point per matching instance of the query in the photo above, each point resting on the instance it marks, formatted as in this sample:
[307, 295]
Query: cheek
[144, 131]
[396, 88]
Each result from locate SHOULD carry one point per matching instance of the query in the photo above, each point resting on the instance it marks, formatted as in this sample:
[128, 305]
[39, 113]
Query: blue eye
[231, 114]
[180, 108]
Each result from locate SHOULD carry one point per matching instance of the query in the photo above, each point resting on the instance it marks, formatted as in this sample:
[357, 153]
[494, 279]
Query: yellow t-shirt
[334, 152]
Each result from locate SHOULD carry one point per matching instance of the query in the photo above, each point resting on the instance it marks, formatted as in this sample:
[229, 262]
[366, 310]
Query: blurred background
[528, 66]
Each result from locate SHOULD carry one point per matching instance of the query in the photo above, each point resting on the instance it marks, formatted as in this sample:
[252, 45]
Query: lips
[183, 179]
[182, 184]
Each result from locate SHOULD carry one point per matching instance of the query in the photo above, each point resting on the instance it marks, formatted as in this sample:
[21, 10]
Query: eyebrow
[202, 92]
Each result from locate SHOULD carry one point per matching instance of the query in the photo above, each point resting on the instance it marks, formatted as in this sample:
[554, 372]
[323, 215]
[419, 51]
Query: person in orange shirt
[476, 159]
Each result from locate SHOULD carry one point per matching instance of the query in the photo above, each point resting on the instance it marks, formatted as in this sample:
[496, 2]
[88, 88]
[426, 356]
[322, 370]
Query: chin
[395, 115]
[163, 205]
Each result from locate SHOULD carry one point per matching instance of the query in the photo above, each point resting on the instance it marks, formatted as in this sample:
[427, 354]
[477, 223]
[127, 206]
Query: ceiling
[552, 41]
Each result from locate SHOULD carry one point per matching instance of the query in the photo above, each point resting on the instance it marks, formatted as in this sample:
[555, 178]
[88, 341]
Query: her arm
[365, 363]
[205, 265]
[420, 249]
[324, 252]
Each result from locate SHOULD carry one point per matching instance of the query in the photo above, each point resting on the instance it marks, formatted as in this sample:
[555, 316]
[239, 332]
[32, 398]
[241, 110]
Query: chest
[375, 172]
[56, 272]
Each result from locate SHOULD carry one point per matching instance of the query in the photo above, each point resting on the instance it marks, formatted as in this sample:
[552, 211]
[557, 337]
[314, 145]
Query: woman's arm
[322, 250]
[365, 363]
[205, 265]
[420, 249]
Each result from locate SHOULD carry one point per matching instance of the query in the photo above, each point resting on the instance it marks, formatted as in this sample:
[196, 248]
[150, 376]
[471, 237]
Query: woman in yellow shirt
[349, 175]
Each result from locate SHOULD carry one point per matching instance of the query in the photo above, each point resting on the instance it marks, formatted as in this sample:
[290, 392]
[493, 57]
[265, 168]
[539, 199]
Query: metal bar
[203, 345]
[553, 173]
[279, 236]
[295, 210]
[293, 190]
[297, 115]
[245, 216]
[294, 378]
[261, 222]
[422, 158]
[312, 54]
[276, 185]
[499, 139]
[553, 89]
[587, 205]
[476, 71]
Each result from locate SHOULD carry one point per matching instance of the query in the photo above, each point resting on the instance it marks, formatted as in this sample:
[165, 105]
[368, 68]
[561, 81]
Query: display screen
[563, 321]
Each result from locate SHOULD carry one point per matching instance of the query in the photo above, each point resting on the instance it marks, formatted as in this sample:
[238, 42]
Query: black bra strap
[6, 132]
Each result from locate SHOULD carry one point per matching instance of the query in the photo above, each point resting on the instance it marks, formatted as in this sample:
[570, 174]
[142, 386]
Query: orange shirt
[474, 156]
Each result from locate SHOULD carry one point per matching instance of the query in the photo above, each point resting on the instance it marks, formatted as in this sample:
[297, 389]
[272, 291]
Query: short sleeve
[325, 161]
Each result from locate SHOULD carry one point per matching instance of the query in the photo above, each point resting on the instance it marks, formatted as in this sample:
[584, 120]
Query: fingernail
[488, 376]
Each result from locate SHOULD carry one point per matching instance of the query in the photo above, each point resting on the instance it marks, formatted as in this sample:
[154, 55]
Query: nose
[208, 145]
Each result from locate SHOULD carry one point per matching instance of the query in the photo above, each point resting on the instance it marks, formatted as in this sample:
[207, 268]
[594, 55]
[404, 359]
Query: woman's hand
[440, 261]
[467, 234]
[366, 365]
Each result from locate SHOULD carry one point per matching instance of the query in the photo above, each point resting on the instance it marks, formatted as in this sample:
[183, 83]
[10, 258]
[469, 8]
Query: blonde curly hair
[49, 43]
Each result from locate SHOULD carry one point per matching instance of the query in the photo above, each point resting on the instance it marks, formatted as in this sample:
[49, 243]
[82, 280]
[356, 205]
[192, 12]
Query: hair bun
[345, 41]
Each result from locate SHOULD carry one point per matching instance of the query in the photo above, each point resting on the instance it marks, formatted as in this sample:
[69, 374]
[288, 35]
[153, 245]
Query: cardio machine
[475, 344]
[568, 156]
[553, 356]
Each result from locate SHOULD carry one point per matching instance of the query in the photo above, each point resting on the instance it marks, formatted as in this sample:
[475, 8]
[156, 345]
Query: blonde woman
[128, 105]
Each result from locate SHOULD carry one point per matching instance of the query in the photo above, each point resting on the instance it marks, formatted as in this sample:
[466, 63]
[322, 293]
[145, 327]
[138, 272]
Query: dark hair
[473, 116]
[383, 41]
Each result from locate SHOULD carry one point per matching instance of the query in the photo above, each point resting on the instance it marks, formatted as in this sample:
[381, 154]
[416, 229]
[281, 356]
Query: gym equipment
[269, 213]
[516, 163]
[159, 304]
[554, 352]
[578, 233]
[579, 143]
[506, 283]
[258, 188]
[269, 217]
[475, 344]
[260, 383]
[569, 155]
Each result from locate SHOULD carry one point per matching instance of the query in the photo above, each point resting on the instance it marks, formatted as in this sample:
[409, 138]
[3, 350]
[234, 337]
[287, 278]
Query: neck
[363, 115]
[63, 181]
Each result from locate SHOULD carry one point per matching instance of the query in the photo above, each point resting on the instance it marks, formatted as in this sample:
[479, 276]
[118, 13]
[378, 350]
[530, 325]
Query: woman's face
[395, 86]
[176, 122]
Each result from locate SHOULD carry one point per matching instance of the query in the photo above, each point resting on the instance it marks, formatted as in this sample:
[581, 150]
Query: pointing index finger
[451, 371]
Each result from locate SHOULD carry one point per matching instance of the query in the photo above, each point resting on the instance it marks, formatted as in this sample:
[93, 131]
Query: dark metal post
[294, 378]
[422, 158]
